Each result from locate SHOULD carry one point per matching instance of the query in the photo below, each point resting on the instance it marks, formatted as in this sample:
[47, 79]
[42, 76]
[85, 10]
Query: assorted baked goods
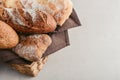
[25, 26]
[35, 16]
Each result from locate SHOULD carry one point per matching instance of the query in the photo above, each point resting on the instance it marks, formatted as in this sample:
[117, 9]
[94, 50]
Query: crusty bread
[32, 47]
[8, 36]
[35, 16]
[26, 19]
[59, 9]
[33, 69]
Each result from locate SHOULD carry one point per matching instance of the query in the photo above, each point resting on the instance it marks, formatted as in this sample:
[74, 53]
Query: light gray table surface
[94, 53]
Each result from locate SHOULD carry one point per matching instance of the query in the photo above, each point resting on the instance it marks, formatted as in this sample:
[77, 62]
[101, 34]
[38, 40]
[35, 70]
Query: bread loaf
[8, 37]
[59, 9]
[30, 69]
[26, 19]
[32, 47]
[35, 16]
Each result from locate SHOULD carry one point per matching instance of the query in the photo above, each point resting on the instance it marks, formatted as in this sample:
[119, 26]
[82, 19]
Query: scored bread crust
[35, 16]
[30, 69]
[26, 20]
[59, 9]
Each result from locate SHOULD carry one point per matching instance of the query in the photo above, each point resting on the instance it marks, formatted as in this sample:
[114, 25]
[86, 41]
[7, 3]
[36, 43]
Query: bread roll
[32, 47]
[30, 69]
[8, 37]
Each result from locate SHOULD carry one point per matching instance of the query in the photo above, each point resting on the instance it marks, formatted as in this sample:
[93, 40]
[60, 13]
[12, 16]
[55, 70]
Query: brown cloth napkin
[59, 37]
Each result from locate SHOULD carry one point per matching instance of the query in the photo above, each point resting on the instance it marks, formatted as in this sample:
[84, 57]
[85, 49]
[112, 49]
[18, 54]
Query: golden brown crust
[32, 47]
[43, 24]
[21, 13]
[32, 69]
[8, 37]
[59, 9]
[25, 19]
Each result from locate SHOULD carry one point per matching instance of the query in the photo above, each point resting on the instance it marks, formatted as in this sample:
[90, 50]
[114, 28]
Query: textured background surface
[94, 53]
